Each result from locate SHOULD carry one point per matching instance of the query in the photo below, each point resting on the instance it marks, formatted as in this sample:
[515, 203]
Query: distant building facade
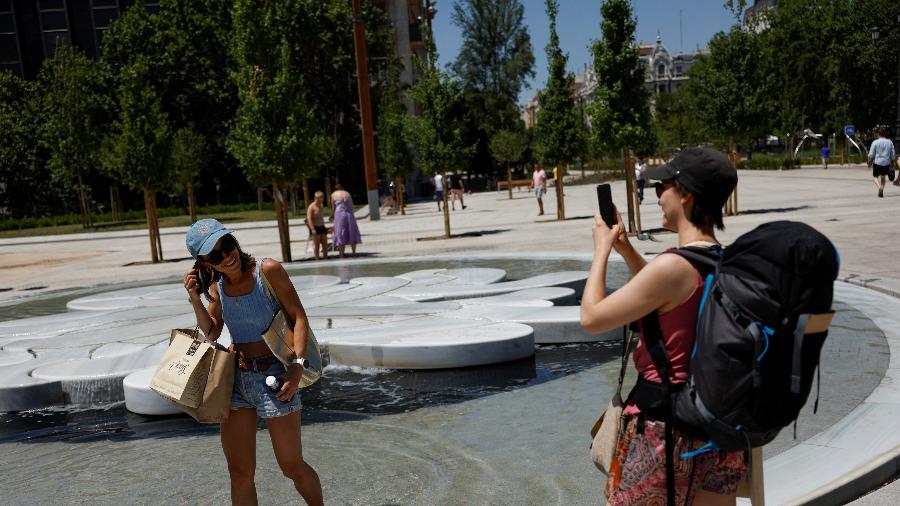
[663, 73]
[31, 29]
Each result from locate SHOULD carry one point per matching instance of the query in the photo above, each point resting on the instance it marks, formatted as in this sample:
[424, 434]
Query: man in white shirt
[439, 189]
[881, 157]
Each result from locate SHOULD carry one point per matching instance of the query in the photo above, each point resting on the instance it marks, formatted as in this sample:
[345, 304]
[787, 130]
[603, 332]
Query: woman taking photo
[692, 190]
[232, 282]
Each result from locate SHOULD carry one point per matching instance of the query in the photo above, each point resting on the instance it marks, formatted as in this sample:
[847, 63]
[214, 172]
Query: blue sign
[849, 130]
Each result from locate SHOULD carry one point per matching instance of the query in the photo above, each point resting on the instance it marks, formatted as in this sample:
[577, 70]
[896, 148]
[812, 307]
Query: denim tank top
[248, 316]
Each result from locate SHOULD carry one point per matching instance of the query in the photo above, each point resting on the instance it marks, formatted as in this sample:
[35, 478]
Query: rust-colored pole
[365, 111]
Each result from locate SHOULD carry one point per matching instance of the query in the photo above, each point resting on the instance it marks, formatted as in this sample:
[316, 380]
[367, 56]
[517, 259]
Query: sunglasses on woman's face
[662, 186]
[216, 256]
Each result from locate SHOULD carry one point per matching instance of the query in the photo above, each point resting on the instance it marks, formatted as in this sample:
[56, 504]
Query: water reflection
[344, 393]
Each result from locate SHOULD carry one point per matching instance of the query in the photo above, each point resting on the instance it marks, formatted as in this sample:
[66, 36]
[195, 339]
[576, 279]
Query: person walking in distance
[439, 189]
[457, 190]
[232, 282]
[826, 153]
[345, 230]
[539, 184]
[640, 165]
[693, 189]
[881, 157]
[315, 222]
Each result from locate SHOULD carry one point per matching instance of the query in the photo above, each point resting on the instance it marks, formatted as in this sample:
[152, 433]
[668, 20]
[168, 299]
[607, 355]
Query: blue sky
[578, 24]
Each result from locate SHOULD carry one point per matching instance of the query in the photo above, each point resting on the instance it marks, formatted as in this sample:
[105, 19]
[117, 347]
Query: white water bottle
[274, 383]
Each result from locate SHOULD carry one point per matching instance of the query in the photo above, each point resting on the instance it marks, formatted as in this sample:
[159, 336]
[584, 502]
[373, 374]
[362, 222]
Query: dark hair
[880, 131]
[206, 275]
[704, 213]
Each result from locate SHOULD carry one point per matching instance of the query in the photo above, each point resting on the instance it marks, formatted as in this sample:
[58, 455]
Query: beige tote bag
[182, 373]
[608, 428]
[215, 404]
[280, 338]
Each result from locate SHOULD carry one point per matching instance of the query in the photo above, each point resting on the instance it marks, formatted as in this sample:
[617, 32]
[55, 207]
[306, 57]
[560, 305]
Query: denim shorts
[251, 391]
[539, 192]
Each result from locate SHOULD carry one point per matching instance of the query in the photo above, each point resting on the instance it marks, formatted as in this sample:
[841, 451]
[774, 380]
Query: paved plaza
[840, 202]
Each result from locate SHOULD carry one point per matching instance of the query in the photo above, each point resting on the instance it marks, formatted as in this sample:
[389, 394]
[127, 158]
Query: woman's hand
[291, 382]
[606, 238]
[192, 285]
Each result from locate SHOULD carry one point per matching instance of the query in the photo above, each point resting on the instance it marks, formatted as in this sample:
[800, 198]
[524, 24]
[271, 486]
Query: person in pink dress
[345, 230]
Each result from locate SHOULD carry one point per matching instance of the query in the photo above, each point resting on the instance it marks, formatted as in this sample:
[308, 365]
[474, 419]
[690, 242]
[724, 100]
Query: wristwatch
[302, 362]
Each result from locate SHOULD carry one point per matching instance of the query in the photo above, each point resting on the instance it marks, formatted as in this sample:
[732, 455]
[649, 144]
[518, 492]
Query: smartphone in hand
[607, 209]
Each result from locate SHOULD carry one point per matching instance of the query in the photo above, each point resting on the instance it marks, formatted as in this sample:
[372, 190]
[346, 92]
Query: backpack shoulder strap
[704, 260]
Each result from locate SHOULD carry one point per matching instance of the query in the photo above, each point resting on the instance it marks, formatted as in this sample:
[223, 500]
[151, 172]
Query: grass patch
[167, 221]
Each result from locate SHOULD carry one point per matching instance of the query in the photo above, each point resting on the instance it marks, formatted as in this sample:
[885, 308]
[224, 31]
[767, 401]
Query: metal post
[365, 111]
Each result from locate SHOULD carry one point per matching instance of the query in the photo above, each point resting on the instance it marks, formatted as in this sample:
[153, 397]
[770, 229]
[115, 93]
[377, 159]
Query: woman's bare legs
[285, 434]
[239, 445]
[341, 249]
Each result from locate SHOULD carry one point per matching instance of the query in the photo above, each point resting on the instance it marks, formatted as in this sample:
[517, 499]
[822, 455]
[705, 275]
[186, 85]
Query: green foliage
[394, 156]
[495, 59]
[508, 146]
[189, 155]
[620, 115]
[27, 186]
[137, 153]
[75, 108]
[437, 133]
[674, 121]
[274, 120]
[559, 132]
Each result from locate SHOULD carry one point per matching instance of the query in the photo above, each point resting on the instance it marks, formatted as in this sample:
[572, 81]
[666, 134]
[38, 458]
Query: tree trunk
[114, 203]
[560, 193]
[327, 191]
[83, 203]
[259, 198]
[509, 180]
[148, 212]
[629, 189]
[733, 199]
[636, 197]
[156, 226]
[192, 205]
[305, 183]
[444, 188]
[398, 185]
[281, 217]
[296, 198]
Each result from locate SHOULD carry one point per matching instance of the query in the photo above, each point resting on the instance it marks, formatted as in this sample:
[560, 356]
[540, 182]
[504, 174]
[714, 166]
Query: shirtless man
[315, 222]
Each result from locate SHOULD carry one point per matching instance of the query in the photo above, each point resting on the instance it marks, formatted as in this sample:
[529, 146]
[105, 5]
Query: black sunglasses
[216, 256]
[661, 186]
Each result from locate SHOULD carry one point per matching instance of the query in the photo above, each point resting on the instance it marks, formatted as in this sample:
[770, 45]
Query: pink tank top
[679, 326]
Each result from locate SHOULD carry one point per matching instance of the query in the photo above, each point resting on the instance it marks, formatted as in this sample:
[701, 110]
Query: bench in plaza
[504, 184]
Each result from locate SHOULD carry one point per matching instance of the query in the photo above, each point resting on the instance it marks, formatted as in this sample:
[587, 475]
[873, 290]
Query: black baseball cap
[704, 172]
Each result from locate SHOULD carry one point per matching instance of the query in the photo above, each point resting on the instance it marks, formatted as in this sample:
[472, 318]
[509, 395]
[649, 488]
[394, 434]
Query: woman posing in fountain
[231, 281]
[694, 186]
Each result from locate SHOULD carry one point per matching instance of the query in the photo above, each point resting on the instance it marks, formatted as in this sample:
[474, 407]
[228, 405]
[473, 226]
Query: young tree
[437, 133]
[26, 185]
[394, 156]
[507, 147]
[75, 108]
[559, 132]
[494, 63]
[137, 152]
[275, 120]
[189, 156]
[620, 115]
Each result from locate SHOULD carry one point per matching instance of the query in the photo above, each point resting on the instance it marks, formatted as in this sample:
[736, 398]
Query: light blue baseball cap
[203, 236]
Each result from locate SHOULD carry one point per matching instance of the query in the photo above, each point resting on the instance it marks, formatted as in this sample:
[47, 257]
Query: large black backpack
[762, 322]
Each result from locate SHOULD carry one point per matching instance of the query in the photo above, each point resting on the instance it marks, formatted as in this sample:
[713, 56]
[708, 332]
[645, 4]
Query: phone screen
[607, 209]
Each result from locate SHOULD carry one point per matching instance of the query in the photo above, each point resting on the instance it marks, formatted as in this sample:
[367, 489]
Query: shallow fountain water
[510, 433]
